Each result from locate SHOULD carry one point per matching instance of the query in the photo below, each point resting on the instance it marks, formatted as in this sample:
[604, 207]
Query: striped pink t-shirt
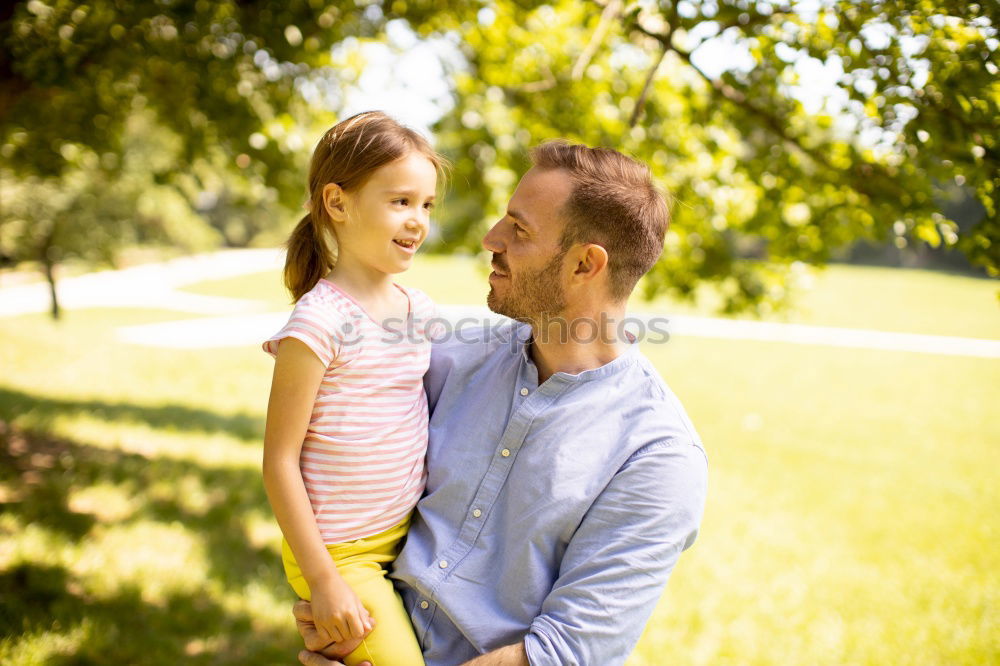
[363, 455]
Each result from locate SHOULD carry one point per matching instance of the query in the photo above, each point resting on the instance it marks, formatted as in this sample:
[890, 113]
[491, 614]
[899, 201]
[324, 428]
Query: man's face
[527, 278]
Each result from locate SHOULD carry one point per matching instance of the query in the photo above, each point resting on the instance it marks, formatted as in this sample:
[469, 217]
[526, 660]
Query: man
[564, 477]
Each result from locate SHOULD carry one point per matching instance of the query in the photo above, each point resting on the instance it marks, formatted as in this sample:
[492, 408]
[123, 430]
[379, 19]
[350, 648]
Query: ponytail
[311, 254]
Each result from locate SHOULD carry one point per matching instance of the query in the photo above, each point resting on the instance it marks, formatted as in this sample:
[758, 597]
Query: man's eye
[518, 228]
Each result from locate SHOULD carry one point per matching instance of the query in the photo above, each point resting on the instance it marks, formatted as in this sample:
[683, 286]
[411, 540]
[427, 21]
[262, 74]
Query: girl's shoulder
[321, 319]
[421, 304]
[326, 300]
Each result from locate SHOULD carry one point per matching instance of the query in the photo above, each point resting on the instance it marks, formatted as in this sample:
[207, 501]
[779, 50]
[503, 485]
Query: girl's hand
[318, 652]
[337, 611]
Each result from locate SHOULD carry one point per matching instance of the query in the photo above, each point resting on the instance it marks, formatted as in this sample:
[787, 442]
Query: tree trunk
[52, 287]
[49, 266]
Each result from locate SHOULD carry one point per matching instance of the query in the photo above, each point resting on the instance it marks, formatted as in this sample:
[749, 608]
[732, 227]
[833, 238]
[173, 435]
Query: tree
[235, 89]
[914, 105]
[214, 88]
[239, 88]
[89, 210]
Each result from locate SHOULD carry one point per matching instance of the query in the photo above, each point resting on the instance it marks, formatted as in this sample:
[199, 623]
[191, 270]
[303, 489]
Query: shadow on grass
[41, 472]
[124, 629]
[167, 417]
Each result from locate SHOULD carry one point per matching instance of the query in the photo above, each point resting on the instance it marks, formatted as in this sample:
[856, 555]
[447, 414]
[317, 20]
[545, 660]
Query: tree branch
[773, 123]
[641, 103]
[610, 13]
[665, 43]
[542, 85]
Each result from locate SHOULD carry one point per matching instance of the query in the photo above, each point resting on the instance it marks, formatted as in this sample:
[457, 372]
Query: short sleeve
[316, 321]
[427, 315]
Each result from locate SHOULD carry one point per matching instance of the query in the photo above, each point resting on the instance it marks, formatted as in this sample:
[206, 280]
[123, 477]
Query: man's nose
[493, 241]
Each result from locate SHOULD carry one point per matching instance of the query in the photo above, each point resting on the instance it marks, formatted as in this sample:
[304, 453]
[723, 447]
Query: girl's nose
[418, 223]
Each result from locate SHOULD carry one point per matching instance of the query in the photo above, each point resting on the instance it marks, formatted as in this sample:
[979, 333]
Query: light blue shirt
[554, 513]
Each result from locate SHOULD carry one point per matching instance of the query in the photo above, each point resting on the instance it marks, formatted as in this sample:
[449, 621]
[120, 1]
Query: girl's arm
[297, 376]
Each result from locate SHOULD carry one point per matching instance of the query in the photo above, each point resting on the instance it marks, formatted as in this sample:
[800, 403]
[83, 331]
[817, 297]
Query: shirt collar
[522, 333]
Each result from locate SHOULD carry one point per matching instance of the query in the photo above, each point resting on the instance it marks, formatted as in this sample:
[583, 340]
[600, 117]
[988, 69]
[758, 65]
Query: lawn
[851, 515]
[886, 299]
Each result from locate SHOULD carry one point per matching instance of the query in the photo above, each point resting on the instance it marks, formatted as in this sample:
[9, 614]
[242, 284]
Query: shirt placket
[527, 402]
[421, 610]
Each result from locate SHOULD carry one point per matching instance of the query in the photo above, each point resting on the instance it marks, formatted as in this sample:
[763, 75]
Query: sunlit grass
[852, 498]
[446, 279]
[910, 300]
[887, 299]
[851, 514]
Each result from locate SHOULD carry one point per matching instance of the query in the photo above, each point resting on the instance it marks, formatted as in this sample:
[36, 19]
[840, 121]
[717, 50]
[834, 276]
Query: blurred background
[830, 274]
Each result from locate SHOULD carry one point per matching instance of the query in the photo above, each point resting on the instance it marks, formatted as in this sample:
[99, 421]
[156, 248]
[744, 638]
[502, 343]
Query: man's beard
[531, 296]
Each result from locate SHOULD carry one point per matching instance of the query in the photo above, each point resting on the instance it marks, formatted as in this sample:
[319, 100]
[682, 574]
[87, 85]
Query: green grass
[852, 503]
[446, 279]
[887, 299]
[133, 522]
[851, 515]
[909, 300]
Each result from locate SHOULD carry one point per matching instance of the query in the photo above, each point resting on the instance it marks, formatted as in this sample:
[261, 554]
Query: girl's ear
[333, 202]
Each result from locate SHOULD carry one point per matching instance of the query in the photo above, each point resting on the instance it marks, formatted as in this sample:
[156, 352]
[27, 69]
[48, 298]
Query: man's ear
[591, 261]
[333, 202]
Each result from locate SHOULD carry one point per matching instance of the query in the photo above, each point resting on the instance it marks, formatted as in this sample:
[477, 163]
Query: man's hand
[318, 651]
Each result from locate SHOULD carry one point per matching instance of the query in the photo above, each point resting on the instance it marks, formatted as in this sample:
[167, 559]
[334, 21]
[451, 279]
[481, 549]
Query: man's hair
[614, 204]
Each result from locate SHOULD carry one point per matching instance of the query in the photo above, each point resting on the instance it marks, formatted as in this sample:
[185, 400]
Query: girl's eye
[401, 202]
[429, 205]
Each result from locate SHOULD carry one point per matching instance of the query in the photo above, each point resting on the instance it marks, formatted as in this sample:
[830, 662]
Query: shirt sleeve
[318, 323]
[617, 563]
[432, 324]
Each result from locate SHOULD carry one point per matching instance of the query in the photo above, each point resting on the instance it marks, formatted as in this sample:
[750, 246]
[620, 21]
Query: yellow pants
[362, 564]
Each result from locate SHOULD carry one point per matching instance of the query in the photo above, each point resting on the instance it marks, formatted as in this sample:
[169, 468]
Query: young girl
[346, 426]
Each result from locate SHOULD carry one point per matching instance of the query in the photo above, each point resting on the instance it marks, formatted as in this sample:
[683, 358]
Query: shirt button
[505, 453]
[476, 513]
[424, 605]
[443, 564]
[524, 391]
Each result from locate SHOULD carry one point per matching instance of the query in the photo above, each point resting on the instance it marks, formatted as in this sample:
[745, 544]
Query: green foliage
[213, 72]
[173, 123]
[241, 89]
[754, 172]
[93, 208]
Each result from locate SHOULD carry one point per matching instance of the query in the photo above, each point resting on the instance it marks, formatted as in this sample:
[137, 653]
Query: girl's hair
[348, 154]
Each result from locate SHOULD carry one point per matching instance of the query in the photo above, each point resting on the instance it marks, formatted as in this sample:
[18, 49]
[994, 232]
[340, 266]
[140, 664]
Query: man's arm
[614, 568]
[617, 562]
[510, 655]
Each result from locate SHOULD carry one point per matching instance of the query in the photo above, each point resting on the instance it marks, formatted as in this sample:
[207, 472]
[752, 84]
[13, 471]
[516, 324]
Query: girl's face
[387, 218]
